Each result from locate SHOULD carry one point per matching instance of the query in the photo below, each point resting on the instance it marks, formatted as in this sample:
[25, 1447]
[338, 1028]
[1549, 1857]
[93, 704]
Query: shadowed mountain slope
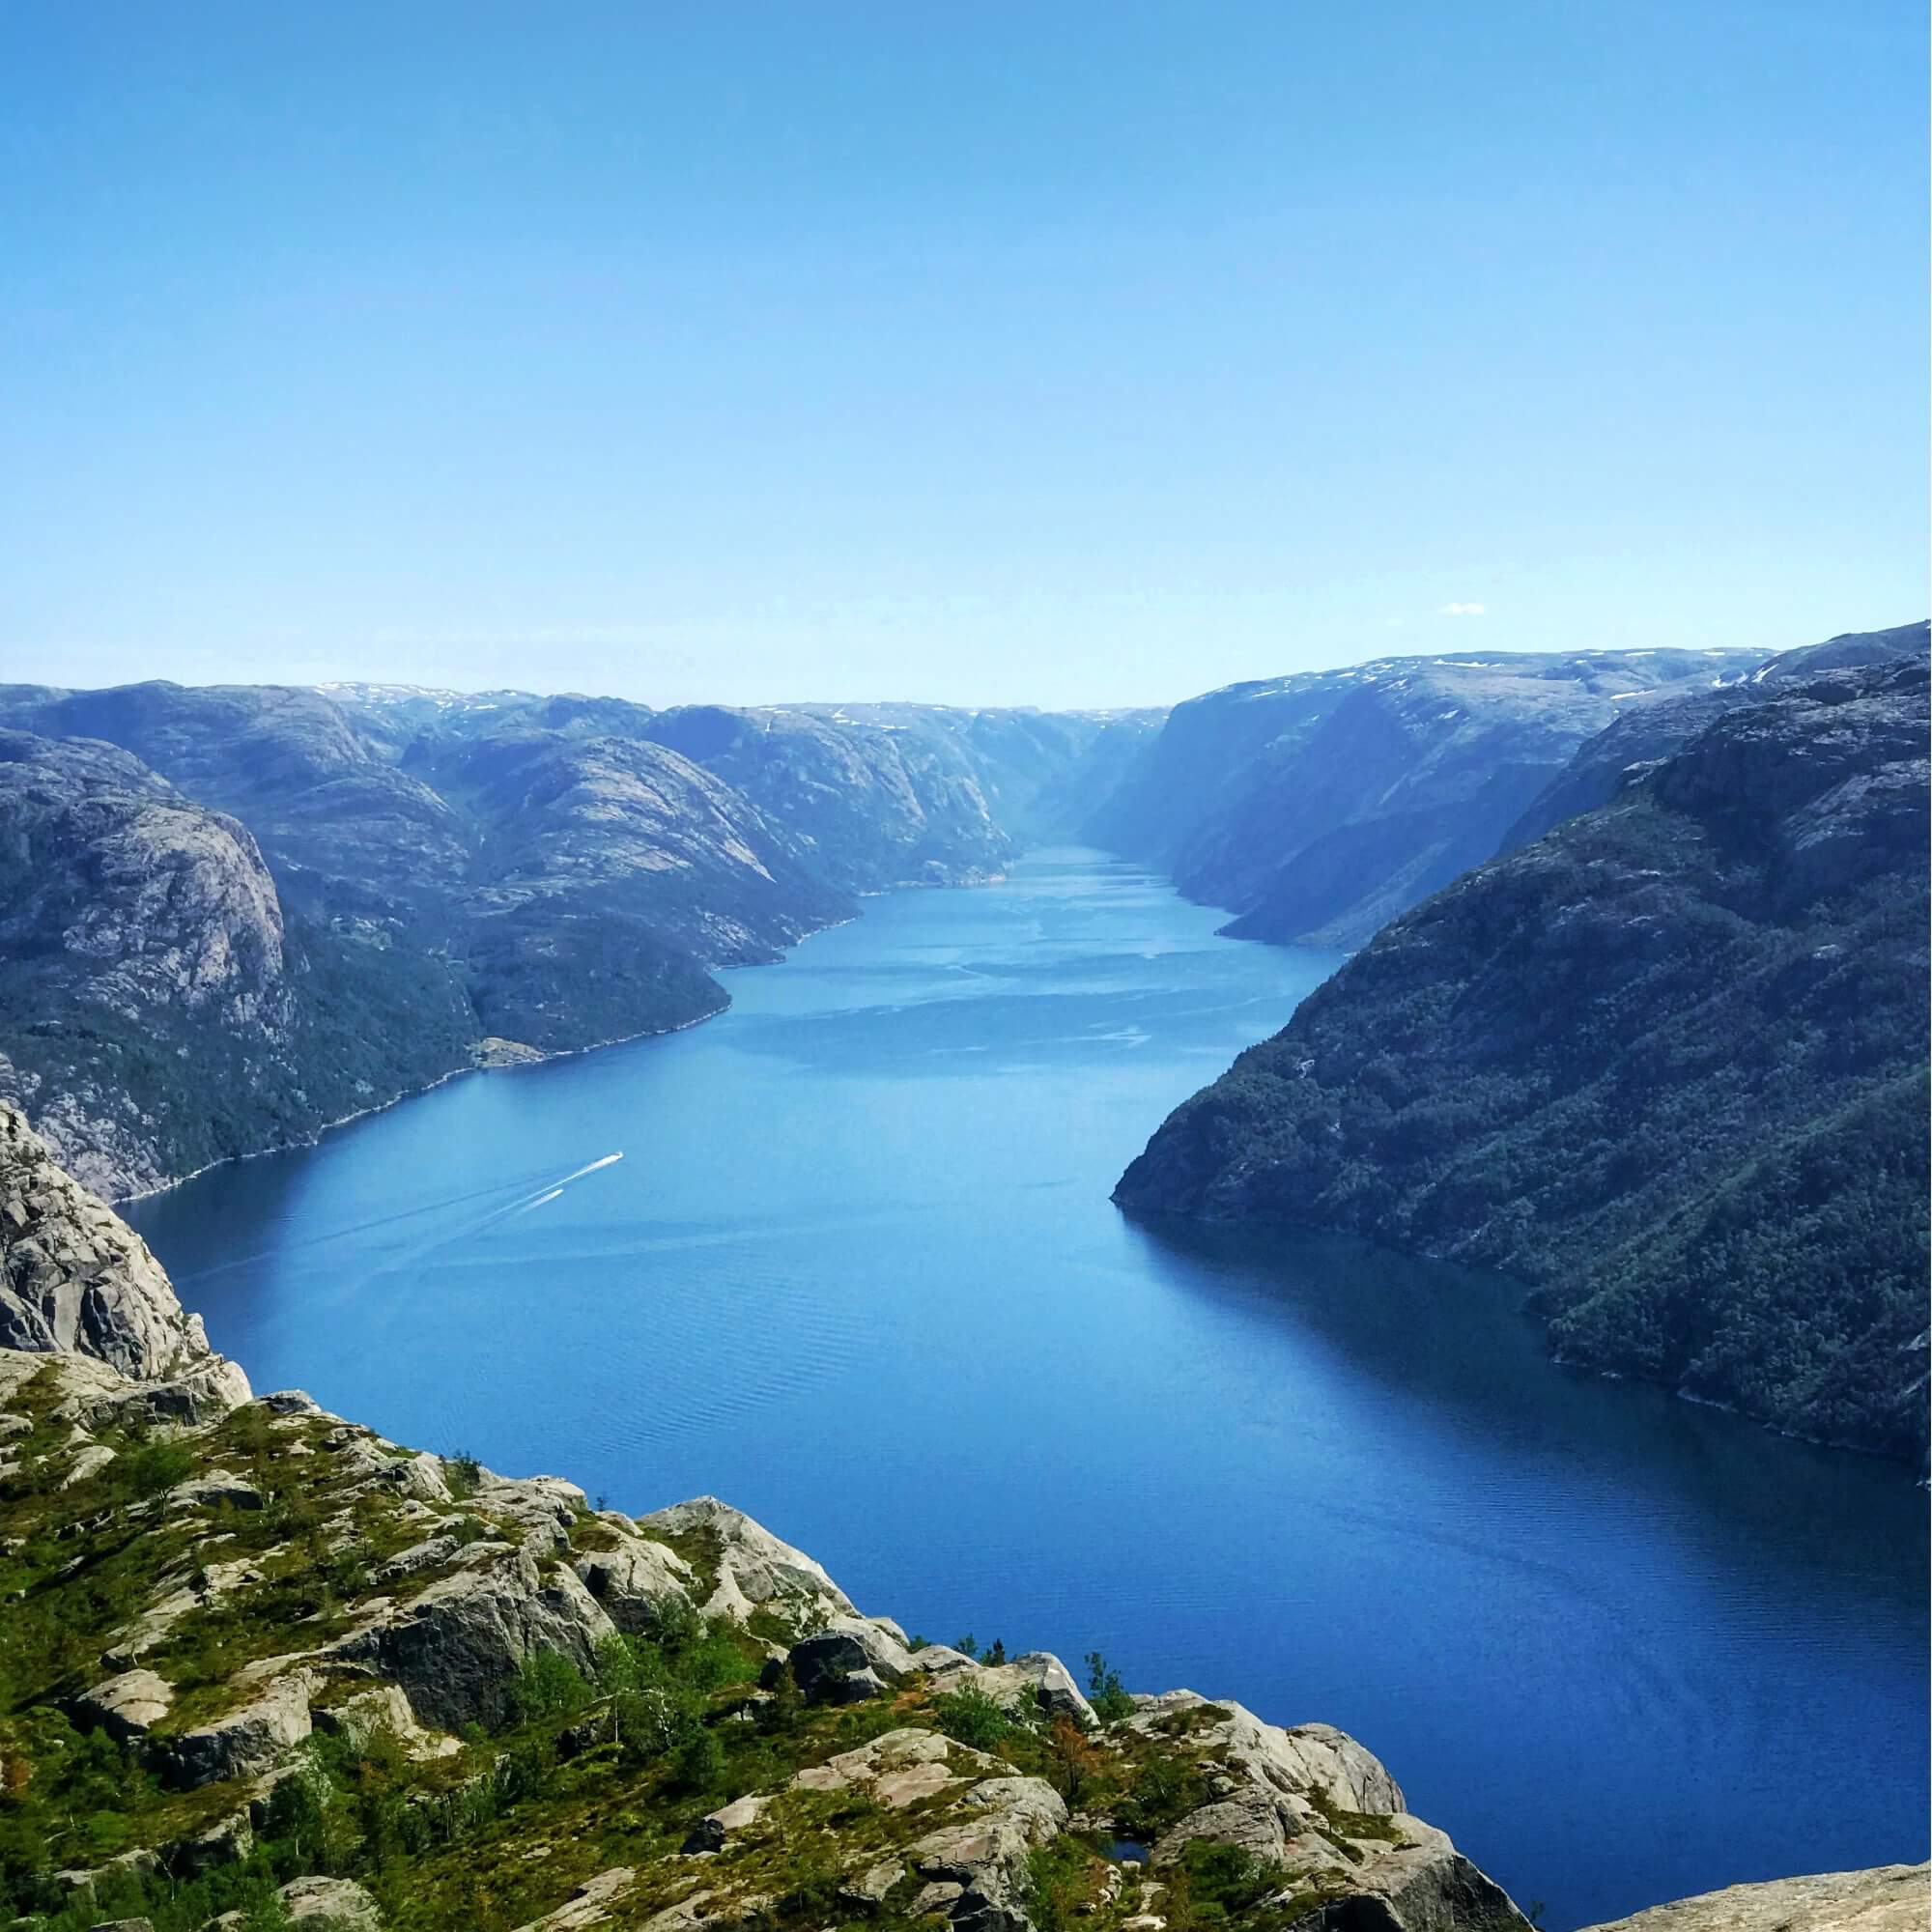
[1666, 1063]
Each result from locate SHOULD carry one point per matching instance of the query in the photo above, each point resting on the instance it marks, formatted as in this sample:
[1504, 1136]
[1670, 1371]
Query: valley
[857, 1272]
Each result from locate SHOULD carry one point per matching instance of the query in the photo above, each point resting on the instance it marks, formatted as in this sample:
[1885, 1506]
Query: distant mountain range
[234, 914]
[1665, 1062]
[1317, 808]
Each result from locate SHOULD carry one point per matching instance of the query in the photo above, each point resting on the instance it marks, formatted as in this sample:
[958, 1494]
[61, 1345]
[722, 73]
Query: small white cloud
[1465, 609]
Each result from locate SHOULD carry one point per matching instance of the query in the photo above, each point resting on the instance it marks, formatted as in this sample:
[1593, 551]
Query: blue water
[858, 1273]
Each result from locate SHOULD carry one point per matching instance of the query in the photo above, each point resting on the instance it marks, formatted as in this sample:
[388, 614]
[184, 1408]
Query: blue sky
[1056, 353]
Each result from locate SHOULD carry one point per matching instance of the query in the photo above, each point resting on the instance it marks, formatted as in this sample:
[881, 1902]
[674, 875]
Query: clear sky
[1067, 351]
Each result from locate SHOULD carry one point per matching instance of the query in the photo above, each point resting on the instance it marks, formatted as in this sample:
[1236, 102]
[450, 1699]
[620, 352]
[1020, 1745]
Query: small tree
[698, 1765]
[1105, 1691]
[1073, 1760]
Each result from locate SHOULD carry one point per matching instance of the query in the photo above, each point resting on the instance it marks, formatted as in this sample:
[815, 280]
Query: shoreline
[542, 1056]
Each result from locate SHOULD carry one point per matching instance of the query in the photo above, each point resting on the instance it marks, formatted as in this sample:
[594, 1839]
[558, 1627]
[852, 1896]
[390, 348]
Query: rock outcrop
[75, 1277]
[1890, 1898]
[463, 1693]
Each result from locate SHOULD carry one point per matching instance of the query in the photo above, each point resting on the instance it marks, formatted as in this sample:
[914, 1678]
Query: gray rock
[382, 1709]
[848, 1661]
[456, 1646]
[756, 1570]
[244, 1743]
[1039, 1673]
[225, 1843]
[1275, 1798]
[127, 1706]
[1888, 1898]
[590, 1905]
[94, 1457]
[634, 1582]
[986, 1857]
[215, 1487]
[341, 1901]
[73, 1276]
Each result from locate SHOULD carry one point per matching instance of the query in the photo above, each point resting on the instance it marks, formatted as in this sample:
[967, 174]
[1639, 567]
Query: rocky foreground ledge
[261, 1666]
[253, 1642]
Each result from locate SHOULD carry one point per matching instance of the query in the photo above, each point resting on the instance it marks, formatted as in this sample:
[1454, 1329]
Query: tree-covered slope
[1666, 1063]
[428, 878]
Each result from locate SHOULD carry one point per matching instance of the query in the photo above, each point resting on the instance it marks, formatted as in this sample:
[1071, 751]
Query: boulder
[759, 1570]
[455, 1647]
[899, 1768]
[849, 1660]
[94, 1458]
[634, 1582]
[588, 1905]
[1038, 1672]
[1284, 1796]
[244, 1743]
[225, 1843]
[215, 1487]
[127, 1706]
[986, 1857]
[381, 1709]
[340, 1901]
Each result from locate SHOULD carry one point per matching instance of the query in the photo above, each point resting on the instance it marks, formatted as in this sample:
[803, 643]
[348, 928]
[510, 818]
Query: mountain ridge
[1666, 1065]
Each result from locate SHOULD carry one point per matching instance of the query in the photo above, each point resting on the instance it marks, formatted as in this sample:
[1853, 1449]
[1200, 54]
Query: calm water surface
[858, 1273]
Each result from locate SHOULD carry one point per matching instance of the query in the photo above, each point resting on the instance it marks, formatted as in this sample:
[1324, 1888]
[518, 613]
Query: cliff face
[75, 1278]
[259, 1657]
[1318, 806]
[273, 907]
[138, 928]
[1666, 1063]
[1597, 772]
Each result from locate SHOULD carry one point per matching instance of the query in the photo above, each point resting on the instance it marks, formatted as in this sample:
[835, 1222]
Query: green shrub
[972, 1718]
[547, 1686]
[1104, 1690]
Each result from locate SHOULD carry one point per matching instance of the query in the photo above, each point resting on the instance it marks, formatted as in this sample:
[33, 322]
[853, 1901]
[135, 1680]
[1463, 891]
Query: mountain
[1318, 806]
[261, 1662]
[1649, 731]
[1666, 1063]
[240, 913]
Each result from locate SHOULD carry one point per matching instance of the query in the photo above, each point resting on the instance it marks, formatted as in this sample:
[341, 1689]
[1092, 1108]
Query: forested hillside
[1668, 1065]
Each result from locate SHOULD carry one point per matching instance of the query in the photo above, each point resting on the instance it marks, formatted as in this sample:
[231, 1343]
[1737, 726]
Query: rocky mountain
[240, 913]
[1654, 730]
[1319, 807]
[1666, 1063]
[260, 1664]
[159, 1010]
[75, 1279]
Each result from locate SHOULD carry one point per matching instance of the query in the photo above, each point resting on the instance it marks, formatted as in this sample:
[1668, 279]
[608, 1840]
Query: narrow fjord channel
[858, 1273]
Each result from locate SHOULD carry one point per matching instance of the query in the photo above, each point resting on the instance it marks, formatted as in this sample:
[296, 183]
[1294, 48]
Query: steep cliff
[75, 1279]
[1320, 806]
[1646, 732]
[159, 1007]
[1668, 1064]
[259, 1661]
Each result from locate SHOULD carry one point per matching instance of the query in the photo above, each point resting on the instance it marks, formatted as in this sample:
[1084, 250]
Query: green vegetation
[1667, 1065]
